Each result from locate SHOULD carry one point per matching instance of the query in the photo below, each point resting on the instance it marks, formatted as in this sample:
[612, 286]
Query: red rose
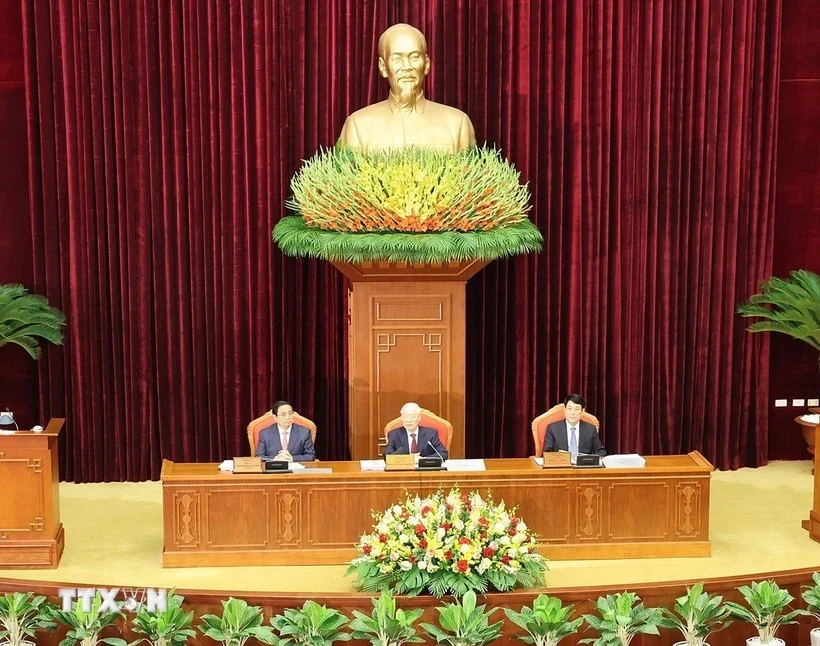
[483, 522]
[511, 532]
[464, 541]
[419, 529]
[412, 559]
[446, 526]
[505, 559]
[462, 566]
[366, 549]
[482, 535]
[488, 552]
[382, 538]
[426, 510]
[422, 544]
[448, 555]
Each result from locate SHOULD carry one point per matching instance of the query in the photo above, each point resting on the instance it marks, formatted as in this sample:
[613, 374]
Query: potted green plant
[811, 595]
[386, 624]
[464, 624]
[239, 623]
[547, 622]
[696, 615]
[25, 318]
[620, 617]
[21, 616]
[168, 627]
[312, 624]
[766, 609]
[84, 627]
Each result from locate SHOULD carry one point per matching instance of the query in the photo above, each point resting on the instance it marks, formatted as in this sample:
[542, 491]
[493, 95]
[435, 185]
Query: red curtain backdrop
[163, 136]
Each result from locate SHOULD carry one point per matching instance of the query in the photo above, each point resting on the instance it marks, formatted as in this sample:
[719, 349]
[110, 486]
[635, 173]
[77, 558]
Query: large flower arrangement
[407, 205]
[448, 543]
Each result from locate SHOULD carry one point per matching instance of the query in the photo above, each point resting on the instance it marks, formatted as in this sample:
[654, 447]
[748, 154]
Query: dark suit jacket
[555, 439]
[427, 439]
[299, 443]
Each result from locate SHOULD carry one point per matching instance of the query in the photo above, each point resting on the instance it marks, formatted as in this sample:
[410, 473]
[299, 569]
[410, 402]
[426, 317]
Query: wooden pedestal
[406, 343]
[31, 534]
[813, 523]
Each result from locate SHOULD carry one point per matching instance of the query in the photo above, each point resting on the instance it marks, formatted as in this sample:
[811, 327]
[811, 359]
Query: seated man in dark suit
[412, 438]
[285, 440]
[572, 434]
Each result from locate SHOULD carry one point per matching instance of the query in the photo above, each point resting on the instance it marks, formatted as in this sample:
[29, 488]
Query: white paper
[624, 461]
[227, 465]
[811, 419]
[539, 461]
[296, 466]
[466, 465]
[372, 465]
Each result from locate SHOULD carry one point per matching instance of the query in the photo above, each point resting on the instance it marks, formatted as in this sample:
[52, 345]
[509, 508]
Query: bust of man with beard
[406, 118]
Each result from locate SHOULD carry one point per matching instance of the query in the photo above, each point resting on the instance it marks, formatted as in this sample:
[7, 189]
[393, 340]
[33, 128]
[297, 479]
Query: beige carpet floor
[114, 538]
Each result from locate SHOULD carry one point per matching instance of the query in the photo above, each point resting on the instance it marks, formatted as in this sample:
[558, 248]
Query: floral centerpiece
[407, 205]
[448, 544]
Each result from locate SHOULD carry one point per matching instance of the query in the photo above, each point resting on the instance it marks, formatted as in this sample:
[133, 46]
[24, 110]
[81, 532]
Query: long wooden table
[212, 518]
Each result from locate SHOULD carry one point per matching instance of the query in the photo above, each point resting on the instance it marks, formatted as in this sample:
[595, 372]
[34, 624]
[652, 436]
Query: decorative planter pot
[815, 637]
[683, 643]
[755, 641]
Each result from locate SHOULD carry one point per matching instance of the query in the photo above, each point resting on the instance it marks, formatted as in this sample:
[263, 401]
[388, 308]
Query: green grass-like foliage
[313, 624]
[620, 617]
[697, 615]
[410, 189]
[296, 238]
[169, 627]
[26, 317]
[811, 595]
[21, 616]
[547, 622]
[766, 608]
[386, 624]
[464, 624]
[239, 623]
[789, 306]
[84, 628]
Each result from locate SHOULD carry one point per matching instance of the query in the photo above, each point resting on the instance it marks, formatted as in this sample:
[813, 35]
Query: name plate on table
[556, 459]
[399, 462]
[247, 465]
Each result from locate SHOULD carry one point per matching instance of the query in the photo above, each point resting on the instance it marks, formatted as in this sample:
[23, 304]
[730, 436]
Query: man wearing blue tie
[572, 434]
[412, 438]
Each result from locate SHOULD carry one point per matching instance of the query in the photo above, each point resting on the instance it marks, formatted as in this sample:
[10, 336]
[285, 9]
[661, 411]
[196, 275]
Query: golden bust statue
[406, 118]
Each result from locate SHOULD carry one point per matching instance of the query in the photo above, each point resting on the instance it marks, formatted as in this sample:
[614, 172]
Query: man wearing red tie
[285, 440]
[412, 438]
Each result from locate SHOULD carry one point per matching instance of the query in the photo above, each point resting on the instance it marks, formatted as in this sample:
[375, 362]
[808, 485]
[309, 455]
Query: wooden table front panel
[214, 518]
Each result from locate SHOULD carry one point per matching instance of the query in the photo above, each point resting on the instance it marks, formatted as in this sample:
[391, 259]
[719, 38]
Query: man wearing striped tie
[572, 433]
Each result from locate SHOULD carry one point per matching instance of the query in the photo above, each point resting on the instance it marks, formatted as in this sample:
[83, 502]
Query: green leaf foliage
[463, 623]
[620, 617]
[21, 616]
[766, 608]
[697, 615]
[296, 238]
[168, 627]
[386, 624]
[239, 623]
[547, 622]
[25, 318]
[811, 595]
[85, 627]
[313, 624]
[787, 305]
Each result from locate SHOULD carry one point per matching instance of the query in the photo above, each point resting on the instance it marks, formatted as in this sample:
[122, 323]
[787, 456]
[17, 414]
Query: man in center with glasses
[285, 440]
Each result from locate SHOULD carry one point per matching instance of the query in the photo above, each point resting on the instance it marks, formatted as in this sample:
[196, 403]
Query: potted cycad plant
[84, 627]
[811, 595]
[766, 609]
[168, 627]
[25, 318]
[620, 617]
[386, 624]
[21, 616]
[696, 615]
[239, 623]
[547, 622]
[312, 624]
[464, 624]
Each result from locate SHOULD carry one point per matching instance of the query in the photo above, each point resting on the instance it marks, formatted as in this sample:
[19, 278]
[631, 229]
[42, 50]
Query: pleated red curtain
[163, 136]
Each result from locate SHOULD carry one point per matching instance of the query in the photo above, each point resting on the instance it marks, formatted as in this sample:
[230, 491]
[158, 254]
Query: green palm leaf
[25, 318]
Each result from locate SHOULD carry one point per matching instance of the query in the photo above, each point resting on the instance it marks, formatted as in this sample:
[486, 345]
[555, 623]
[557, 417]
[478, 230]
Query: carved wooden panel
[186, 519]
[22, 506]
[288, 516]
[687, 509]
[588, 511]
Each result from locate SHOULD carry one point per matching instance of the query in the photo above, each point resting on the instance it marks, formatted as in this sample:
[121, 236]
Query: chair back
[555, 414]
[261, 423]
[431, 420]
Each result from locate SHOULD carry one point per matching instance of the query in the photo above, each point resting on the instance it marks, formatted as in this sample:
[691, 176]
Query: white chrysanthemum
[406, 566]
[464, 548]
[504, 540]
[459, 524]
[500, 527]
[394, 556]
[484, 565]
[397, 510]
[522, 526]
[440, 532]
[422, 565]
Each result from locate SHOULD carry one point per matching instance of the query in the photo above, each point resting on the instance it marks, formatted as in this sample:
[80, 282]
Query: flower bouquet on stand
[448, 544]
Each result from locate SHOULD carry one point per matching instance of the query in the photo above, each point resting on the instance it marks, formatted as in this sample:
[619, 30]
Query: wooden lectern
[31, 534]
[813, 523]
[406, 343]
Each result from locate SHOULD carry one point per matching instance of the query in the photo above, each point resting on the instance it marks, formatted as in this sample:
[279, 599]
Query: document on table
[472, 464]
[625, 461]
[539, 461]
[226, 465]
[372, 465]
